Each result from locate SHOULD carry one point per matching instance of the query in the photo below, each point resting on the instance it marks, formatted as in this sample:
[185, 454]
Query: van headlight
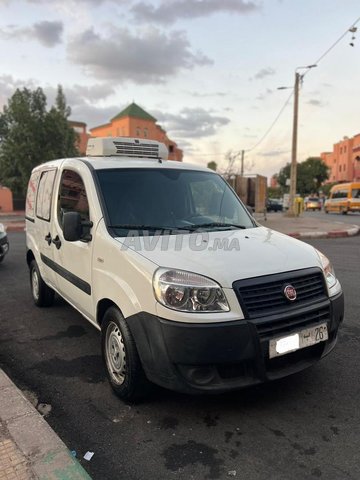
[188, 292]
[328, 270]
[2, 228]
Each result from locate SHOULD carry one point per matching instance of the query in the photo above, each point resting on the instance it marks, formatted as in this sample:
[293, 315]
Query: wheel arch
[102, 306]
[29, 257]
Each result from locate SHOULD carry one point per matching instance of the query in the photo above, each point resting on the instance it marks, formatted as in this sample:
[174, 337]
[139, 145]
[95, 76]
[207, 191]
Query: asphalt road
[304, 427]
[353, 218]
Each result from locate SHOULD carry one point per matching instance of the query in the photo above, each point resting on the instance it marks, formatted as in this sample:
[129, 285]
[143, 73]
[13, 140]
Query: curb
[30, 443]
[350, 232]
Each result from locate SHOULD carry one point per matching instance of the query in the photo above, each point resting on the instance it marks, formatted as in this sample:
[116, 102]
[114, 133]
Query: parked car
[312, 203]
[274, 205]
[188, 291]
[4, 242]
[343, 198]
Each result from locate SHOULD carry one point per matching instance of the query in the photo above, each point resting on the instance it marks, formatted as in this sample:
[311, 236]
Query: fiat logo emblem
[290, 293]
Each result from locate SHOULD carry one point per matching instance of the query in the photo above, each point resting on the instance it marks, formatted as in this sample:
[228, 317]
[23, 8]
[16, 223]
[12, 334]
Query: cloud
[208, 95]
[171, 11]
[192, 123]
[82, 99]
[48, 33]
[8, 85]
[79, 94]
[262, 73]
[273, 153]
[149, 57]
[264, 95]
[92, 3]
[93, 115]
[316, 103]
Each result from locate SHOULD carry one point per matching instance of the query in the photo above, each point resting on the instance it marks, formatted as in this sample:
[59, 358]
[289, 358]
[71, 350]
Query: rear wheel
[123, 365]
[43, 295]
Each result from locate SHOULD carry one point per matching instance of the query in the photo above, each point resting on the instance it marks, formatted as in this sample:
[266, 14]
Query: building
[274, 183]
[133, 121]
[83, 136]
[344, 160]
[6, 200]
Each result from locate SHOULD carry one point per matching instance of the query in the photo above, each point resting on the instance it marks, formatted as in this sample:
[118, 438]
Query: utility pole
[293, 170]
[242, 163]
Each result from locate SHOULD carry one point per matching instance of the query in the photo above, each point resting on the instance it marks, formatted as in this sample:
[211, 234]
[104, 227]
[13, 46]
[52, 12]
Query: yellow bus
[344, 198]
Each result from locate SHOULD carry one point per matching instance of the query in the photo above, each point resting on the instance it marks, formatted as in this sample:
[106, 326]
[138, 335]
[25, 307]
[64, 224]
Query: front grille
[277, 326]
[262, 296]
[141, 150]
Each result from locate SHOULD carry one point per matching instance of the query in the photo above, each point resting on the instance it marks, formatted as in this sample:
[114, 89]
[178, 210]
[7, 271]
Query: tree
[31, 135]
[212, 165]
[310, 175]
[62, 138]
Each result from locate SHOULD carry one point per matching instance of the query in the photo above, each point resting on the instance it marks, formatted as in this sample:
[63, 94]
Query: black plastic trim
[233, 352]
[32, 220]
[292, 308]
[70, 277]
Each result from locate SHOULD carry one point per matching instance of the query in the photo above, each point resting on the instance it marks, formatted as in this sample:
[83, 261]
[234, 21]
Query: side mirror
[72, 226]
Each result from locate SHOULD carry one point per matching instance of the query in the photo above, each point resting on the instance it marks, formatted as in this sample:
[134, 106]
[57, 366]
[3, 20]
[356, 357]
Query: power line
[272, 125]
[334, 44]
[292, 93]
[263, 137]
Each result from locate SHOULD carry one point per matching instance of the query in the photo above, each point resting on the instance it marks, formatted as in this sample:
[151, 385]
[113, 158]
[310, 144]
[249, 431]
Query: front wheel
[123, 365]
[43, 295]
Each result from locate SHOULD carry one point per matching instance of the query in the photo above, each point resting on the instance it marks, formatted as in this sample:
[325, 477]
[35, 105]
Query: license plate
[296, 341]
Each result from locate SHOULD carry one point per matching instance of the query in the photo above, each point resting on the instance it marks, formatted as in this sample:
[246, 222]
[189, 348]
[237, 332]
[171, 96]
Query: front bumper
[4, 245]
[218, 357]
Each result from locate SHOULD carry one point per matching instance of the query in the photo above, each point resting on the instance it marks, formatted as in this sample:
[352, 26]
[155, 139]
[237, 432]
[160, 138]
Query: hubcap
[115, 353]
[35, 284]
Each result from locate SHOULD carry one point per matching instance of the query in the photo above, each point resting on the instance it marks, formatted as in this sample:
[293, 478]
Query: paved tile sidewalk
[29, 448]
[307, 227]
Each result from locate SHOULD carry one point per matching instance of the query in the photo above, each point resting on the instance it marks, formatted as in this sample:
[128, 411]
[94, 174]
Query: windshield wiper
[212, 224]
[141, 227]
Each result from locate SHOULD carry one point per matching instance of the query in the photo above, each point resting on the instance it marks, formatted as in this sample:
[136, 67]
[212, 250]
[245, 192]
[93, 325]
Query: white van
[189, 292]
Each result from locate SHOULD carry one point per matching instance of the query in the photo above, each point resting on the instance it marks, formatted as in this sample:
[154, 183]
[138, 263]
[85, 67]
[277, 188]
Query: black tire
[121, 358]
[43, 295]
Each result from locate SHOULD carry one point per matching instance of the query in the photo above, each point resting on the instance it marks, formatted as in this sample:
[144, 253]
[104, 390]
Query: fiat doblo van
[188, 290]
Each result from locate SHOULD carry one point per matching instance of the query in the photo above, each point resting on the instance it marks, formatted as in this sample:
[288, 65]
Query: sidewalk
[29, 448]
[299, 227]
[306, 227]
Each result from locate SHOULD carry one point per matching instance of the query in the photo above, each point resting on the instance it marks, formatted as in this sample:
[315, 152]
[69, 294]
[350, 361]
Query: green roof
[134, 111]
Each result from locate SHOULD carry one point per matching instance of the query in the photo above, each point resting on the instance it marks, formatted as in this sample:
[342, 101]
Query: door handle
[48, 238]
[57, 242]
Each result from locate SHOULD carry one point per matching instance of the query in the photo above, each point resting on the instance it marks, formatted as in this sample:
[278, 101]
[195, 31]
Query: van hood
[227, 256]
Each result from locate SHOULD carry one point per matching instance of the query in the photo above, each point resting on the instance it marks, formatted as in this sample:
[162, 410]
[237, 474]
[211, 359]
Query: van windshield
[169, 200]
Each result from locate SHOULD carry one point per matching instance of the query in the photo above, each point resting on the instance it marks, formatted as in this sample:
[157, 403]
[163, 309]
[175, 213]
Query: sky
[208, 70]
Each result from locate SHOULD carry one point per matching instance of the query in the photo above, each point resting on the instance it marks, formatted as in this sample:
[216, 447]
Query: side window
[72, 196]
[44, 195]
[31, 195]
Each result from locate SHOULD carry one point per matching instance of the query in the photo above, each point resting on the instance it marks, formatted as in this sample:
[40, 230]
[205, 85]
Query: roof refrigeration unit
[126, 147]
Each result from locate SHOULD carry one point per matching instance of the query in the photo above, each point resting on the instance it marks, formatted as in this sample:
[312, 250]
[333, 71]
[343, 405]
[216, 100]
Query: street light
[293, 170]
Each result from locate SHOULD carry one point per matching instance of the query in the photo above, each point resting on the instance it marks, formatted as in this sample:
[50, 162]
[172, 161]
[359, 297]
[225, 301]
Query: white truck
[189, 292]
